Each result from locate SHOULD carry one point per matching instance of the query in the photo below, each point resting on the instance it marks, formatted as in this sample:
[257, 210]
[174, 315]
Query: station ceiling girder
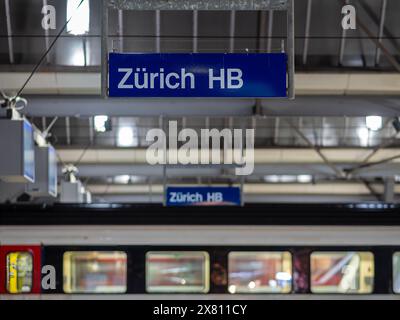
[198, 4]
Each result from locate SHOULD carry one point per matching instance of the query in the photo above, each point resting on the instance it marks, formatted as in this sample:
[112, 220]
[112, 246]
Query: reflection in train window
[342, 272]
[19, 272]
[260, 272]
[396, 272]
[95, 272]
[177, 272]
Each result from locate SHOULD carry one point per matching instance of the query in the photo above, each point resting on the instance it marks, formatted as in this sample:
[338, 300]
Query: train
[272, 251]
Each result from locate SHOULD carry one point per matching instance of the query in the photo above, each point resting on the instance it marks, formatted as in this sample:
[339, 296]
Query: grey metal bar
[270, 30]
[44, 124]
[290, 49]
[121, 30]
[276, 130]
[104, 50]
[9, 31]
[91, 130]
[68, 130]
[158, 31]
[84, 49]
[199, 4]
[307, 31]
[195, 30]
[342, 43]
[381, 29]
[46, 37]
[262, 29]
[388, 195]
[232, 31]
[163, 125]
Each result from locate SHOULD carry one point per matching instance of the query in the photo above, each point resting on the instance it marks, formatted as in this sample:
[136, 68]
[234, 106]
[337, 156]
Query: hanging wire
[47, 51]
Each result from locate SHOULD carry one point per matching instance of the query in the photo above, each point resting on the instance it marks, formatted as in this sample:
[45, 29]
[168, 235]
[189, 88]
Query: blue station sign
[197, 75]
[196, 196]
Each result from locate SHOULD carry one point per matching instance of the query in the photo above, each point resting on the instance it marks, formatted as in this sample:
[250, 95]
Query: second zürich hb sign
[253, 75]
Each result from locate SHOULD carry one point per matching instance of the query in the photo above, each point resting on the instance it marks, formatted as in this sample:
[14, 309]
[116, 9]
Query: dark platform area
[270, 214]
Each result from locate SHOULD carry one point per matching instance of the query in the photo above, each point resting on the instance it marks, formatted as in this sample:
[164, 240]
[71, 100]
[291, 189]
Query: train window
[342, 272]
[396, 272]
[19, 272]
[260, 272]
[177, 272]
[95, 272]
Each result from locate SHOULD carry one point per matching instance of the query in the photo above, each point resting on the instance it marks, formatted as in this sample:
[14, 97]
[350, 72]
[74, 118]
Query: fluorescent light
[123, 179]
[78, 58]
[304, 178]
[79, 24]
[374, 123]
[100, 123]
[272, 178]
[126, 137]
[363, 135]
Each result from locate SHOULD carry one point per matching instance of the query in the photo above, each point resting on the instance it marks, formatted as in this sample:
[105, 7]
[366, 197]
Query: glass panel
[95, 272]
[396, 272]
[177, 272]
[19, 272]
[342, 272]
[260, 272]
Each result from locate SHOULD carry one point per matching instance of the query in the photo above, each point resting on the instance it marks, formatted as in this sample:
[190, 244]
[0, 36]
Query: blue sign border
[231, 196]
[264, 74]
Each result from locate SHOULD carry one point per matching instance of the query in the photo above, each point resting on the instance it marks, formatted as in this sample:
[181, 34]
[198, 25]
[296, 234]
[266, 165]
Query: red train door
[20, 269]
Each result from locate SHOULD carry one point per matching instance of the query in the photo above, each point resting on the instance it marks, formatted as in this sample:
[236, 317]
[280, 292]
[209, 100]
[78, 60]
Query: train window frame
[357, 250]
[394, 254]
[64, 281]
[206, 272]
[32, 278]
[292, 257]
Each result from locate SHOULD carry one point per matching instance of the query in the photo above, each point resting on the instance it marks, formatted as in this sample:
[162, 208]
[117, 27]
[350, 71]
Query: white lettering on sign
[140, 79]
[180, 197]
[187, 197]
[232, 79]
[215, 197]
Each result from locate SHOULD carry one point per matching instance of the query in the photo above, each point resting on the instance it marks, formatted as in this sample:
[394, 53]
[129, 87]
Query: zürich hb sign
[252, 75]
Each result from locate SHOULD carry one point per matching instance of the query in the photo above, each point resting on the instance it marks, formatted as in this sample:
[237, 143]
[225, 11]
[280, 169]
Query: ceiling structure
[315, 148]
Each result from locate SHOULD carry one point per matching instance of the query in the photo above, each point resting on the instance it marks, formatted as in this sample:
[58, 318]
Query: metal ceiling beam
[314, 106]
[156, 198]
[319, 171]
[339, 173]
[307, 31]
[381, 30]
[9, 31]
[390, 37]
[293, 156]
[324, 188]
[198, 4]
[310, 83]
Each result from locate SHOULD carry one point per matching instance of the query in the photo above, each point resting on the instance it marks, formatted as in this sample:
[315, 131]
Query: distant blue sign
[196, 196]
[29, 152]
[197, 75]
